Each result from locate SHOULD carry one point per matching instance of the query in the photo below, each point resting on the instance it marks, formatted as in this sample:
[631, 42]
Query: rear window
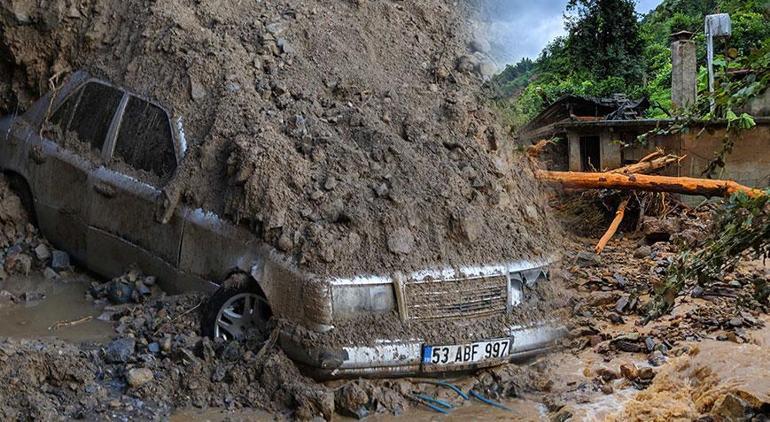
[144, 139]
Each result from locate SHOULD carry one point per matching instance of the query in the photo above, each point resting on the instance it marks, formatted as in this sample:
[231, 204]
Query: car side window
[93, 115]
[144, 139]
[63, 114]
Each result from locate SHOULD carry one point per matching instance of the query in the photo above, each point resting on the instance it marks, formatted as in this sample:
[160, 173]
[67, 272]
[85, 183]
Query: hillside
[524, 89]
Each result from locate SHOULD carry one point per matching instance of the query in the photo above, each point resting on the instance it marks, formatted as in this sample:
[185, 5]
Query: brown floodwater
[56, 314]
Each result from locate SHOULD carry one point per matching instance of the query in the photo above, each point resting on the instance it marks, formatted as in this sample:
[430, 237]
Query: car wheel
[235, 311]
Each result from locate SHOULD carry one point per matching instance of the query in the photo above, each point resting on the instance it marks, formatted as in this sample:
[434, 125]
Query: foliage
[604, 39]
[742, 227]
[598, 57]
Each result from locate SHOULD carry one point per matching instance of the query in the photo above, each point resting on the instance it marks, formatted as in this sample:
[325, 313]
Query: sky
[521, 28]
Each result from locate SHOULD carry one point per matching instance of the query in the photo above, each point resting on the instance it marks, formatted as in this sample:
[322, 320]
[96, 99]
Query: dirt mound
[348, 134]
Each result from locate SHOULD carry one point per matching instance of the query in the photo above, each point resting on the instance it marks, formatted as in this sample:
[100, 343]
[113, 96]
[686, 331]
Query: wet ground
[61, 311]
[720, 370]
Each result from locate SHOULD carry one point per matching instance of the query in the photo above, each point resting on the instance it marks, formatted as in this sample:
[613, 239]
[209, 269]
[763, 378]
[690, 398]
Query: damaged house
[603, 133]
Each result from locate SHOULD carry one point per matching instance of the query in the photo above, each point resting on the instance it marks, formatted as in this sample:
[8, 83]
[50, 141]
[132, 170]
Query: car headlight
[354, 299]
[519, 282]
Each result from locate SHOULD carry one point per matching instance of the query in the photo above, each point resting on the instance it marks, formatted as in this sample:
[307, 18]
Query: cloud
[522, 28]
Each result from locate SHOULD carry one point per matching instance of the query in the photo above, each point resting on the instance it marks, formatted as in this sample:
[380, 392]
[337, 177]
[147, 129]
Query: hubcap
[239, 314]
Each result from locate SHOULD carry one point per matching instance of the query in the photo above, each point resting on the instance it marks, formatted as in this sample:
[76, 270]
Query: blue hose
[452, 387]
[435, 401]
[427, 401]
[489, 402]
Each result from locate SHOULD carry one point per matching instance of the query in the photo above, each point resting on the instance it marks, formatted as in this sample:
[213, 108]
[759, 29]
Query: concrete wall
[748, 164]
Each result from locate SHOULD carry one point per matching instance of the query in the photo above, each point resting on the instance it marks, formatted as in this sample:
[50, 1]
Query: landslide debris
[348, 134]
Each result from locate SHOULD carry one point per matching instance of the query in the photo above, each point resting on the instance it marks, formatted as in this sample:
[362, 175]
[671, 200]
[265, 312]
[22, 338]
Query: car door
[61, 159]
[125, 195]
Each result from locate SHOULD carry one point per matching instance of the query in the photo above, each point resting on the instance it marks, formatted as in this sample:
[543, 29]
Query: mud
[727, 381]
[349, 135]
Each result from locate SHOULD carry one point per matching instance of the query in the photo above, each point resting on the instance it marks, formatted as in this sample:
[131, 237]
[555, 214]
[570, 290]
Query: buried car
[90, 162]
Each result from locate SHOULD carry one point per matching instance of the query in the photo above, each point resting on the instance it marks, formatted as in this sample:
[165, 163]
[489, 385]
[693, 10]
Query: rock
[656, 358]
[351, 400]
[607, 389]
[649, 342]
[481, 45]
[285, 47]
[487, 69]
[19, 263]
[607, 374]
[697, 292]
[628, 346]
[32, 296]
[119, 292]
[285, 243]
[629, 371]
[165, 344]
[6, 297]
[42, 253]
[275, 28]
[467, 64]
[197, 91]
[621, 304]
[50, 274]
[137, 377]
[142, 289]
[588, 259]
[330, 183]
[120, 350]
[643, 252]
[730, 408]
[153, 347]
[658, 230]
[646, 374]
[602, 298]
[736, 322]
[60, 260]
[401, 241]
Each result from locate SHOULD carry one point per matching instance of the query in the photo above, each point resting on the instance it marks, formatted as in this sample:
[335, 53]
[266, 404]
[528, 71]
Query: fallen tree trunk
[619, 214]
[649, 165]
[681, 185]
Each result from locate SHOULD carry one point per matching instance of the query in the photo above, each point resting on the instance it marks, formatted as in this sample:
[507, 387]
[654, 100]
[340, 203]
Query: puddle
[53, 316]
[220, 415]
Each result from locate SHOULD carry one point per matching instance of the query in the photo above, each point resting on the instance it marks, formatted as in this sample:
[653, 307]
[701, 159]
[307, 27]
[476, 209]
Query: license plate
[466, 353]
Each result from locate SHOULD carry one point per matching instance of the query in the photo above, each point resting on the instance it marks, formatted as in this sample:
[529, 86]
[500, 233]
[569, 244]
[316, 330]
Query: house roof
[588, 109]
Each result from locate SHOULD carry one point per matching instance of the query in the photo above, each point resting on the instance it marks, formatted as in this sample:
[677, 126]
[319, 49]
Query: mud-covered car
[91, 161]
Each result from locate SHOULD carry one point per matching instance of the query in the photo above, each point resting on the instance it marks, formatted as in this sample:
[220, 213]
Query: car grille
[456, 298]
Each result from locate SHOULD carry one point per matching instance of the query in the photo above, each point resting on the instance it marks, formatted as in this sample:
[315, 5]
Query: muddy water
[56, 314]
[520, 410]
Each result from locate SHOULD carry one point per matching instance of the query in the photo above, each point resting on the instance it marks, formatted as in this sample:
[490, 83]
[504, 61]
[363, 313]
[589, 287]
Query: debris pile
[22, 249]
[349, 135]
[133, 286]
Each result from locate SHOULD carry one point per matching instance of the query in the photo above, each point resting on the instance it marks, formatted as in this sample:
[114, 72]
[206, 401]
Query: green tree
[604, 39]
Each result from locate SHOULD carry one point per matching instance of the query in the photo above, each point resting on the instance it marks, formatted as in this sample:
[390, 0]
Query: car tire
[244, 300]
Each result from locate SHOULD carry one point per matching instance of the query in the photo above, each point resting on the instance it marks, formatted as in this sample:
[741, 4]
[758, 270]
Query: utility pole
[717, 26]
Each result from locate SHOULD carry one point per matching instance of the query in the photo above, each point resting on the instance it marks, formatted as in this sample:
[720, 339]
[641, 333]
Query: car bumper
[399, 358]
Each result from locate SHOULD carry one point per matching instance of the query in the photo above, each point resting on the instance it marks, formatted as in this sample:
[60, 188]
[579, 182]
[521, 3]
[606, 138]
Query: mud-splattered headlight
[352, 300]
[521, 281]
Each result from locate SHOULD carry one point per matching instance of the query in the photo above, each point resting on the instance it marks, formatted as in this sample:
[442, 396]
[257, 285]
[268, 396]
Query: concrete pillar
[684, 70]
[573, 140]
